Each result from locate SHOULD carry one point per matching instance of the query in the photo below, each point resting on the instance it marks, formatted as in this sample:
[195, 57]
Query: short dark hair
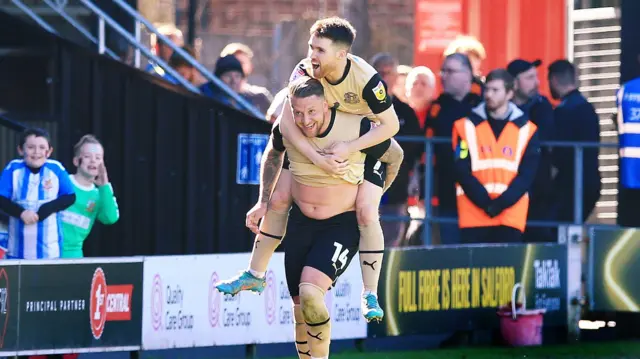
[463, 58]
[83, 141]
[382, 58]
[336, 29]
[564, 71]
[37, 132]
[176, 60]
[304, 87]
[503, 75]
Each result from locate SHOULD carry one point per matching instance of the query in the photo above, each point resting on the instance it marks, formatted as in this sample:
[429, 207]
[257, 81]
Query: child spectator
[94, 196]
[32, 192]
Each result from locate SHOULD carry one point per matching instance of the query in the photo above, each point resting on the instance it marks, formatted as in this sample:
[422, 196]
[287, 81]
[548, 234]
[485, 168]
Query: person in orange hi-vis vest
[497, 152]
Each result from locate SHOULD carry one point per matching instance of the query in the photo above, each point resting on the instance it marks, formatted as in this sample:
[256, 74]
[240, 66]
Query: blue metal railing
[135, 40]
[429, 218]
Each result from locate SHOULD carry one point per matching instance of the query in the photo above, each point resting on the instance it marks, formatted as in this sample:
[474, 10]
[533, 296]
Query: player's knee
[280, 200]
[367, 213]
[314, 309]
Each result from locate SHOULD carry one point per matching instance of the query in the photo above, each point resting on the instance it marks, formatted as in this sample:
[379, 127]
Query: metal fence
[429, 218]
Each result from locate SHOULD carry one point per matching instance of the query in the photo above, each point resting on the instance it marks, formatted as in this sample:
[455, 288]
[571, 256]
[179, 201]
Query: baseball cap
[226, 64]
[518, 66]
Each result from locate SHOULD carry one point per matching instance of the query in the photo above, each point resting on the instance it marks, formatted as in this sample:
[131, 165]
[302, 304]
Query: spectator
[628, 119]
[455, 102]
[496, 157]
[33, 202]
[257, 95]
[164, 51]
[539, 111]
[276, 106]
[420, 88]
[470, 46]
[229, 70]
[395, 199]
[94, 197]
[399, 87]
[185, 69]
[575, 120]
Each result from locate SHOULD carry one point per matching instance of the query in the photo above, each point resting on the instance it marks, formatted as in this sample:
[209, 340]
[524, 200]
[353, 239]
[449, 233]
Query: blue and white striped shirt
[31, 190]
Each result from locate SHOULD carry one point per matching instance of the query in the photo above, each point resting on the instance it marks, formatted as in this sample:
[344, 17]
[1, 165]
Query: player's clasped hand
[29, 217]
[338, 149]
[334, 165]
[254, 215]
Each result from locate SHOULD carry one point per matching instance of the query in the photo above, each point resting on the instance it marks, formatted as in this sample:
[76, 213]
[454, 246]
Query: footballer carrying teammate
[351, 85]
[322, 230]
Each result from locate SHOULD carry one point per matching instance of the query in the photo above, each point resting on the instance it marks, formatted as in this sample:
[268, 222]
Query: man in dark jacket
[577, 121]
[539, 110]
[455, 102]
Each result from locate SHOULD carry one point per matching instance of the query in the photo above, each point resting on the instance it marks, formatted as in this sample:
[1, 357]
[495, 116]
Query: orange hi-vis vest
[495, 163]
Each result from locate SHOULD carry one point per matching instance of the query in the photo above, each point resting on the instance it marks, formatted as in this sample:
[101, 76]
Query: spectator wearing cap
[454, 103]
[575, 120]
[539, 110]
[258, 95]
[394, 202]
[229, 70]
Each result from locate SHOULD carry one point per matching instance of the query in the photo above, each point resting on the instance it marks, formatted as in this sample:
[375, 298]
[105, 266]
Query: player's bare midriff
[324, 202]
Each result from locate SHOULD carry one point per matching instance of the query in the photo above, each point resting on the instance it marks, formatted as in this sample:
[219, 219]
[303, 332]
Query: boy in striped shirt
[33, 191]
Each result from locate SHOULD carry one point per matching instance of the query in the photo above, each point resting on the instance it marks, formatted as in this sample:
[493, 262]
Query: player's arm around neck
[388, 126]
[393, 157]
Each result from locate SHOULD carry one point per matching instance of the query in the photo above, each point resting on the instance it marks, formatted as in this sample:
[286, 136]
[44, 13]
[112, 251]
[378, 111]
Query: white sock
[257, 274]
[320, 358]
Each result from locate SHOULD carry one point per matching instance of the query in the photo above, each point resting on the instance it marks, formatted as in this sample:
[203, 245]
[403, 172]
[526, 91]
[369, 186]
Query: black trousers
[494, 234]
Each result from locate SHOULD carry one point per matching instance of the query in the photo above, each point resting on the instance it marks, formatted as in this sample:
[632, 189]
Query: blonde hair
[417, 71]
[466, 44]
[86, 139]
[403, 70]
[236, 47]
[168, 30]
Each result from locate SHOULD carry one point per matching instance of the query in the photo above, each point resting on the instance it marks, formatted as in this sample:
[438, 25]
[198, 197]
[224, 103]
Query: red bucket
[521, 327]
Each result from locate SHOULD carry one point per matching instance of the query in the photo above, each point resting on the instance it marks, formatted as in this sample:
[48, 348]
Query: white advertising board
[182, 308]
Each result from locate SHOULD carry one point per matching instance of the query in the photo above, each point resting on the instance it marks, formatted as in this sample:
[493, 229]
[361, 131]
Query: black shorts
[374, 170]
[327, 245]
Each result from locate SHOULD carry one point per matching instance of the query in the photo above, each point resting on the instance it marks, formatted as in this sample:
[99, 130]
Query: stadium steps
[596, 53]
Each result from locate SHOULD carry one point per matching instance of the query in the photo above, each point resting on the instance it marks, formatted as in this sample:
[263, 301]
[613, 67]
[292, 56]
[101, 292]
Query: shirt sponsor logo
[380, 92]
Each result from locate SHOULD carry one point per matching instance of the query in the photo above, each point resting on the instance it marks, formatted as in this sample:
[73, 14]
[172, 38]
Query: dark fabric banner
[443, 289]
[88, 305]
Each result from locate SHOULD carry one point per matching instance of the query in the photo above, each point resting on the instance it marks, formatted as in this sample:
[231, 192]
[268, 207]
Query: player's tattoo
[393, 158]
[269, 170]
